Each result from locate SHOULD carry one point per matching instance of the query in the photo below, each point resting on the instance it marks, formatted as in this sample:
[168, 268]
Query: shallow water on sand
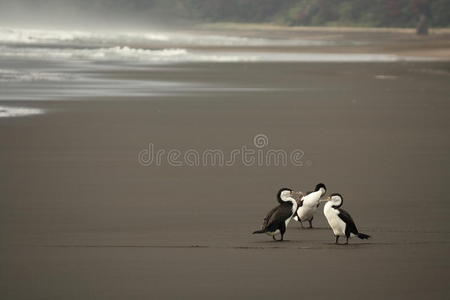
[56, 65]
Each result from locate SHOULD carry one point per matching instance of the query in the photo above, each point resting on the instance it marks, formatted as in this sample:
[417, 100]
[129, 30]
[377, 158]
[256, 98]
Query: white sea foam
[34, 36]
[385, 77]
[114, 53]
[30, 76]
[103, 46]
[183, 55]
[6, 112]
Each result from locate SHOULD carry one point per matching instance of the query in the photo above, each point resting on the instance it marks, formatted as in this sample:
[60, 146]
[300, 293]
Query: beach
[82, 217]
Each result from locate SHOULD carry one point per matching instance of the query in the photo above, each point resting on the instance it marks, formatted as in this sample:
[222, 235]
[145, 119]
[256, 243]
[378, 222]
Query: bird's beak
[325, 199]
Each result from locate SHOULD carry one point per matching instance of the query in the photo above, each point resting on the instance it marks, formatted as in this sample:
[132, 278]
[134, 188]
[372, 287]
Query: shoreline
[276, 27]
[396, 41]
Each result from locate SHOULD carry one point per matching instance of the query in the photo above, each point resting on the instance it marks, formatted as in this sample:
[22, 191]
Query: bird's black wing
[278, 216]
[269, 216]
[350, 224]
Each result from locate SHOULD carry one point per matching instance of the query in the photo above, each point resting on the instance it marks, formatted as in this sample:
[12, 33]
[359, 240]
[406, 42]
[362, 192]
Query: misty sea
[38, 64]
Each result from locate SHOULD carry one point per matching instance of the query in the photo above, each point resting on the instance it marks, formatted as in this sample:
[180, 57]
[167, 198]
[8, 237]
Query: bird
[340, 220]
[279, 217]
[308, 204]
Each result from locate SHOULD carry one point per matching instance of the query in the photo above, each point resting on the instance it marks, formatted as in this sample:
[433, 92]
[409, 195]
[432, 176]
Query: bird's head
[336, 200]
[321, 187]
[285, 195]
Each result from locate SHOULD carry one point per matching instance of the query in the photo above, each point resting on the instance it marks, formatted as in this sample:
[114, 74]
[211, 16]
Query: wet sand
[395, 41]
[82, 219]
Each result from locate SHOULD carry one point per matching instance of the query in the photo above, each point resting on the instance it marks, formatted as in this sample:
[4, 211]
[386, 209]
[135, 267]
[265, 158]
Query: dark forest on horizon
[376, 13]
[365, 13]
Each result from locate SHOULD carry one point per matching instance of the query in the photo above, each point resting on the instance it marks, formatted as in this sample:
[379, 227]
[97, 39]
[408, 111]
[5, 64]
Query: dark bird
[278, 218]
[340, 220]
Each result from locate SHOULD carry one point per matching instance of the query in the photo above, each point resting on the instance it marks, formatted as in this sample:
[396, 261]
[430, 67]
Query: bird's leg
[337, 239]
[282, 231]
[301, 224]
[310, 223]
[273, 236]
[346, 241]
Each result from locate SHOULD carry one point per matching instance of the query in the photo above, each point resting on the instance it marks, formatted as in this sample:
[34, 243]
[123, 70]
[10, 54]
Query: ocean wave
[35, 36]
[114, 53]
[131, 55]
[30, 76]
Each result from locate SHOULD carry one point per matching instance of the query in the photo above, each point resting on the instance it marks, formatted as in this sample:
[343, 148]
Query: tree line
[374, 13]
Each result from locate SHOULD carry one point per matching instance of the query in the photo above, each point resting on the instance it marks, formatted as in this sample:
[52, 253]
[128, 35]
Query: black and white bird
[308, 205]
[340, 220]
[279, 217]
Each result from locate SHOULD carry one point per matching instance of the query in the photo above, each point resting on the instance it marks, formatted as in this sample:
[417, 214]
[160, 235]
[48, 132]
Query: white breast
[309, 207]
[294, 209]
[336, 224]
[306, 212]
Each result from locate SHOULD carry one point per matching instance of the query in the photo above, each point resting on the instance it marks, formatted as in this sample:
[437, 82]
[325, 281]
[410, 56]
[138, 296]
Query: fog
[169, 13]
[83, 14]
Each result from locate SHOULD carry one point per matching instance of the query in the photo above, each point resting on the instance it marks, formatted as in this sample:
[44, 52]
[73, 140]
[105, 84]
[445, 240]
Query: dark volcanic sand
[81, 219]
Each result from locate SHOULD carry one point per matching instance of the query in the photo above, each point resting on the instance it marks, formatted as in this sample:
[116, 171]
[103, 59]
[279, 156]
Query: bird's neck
[328, 206]
[289, 200]
[293, 202]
